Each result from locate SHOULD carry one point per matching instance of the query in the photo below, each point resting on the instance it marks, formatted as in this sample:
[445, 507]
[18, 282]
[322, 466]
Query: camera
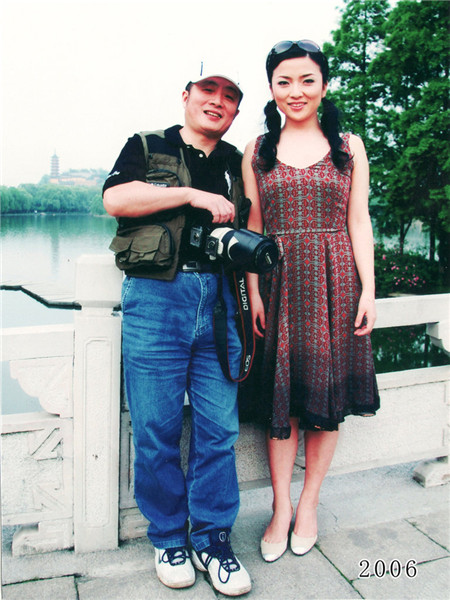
[238, 249]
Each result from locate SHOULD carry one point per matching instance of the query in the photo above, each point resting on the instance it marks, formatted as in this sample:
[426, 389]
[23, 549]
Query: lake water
[41, 248]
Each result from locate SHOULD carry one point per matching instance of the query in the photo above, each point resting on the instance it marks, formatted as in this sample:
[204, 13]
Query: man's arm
[137, 199]
[126, 193]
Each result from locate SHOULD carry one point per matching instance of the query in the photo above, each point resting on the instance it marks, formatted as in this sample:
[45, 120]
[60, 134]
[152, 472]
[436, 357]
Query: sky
[79, 77]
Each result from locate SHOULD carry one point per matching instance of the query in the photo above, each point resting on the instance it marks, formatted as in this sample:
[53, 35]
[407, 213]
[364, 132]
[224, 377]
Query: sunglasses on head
[306, 45]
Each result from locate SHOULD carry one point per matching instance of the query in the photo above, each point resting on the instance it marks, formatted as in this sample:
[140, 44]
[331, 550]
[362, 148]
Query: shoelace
[175, 556]
[227, 560]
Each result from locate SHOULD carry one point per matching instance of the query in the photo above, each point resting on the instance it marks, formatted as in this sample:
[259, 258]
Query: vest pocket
[150, 247]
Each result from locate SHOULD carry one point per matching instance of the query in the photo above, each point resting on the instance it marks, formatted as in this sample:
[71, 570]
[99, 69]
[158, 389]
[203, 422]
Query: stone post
[97, 362]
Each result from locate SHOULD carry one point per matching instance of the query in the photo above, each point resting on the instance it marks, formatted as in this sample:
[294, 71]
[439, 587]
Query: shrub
[407, 273]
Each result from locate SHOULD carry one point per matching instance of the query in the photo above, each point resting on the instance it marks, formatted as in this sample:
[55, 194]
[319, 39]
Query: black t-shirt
[208, 173]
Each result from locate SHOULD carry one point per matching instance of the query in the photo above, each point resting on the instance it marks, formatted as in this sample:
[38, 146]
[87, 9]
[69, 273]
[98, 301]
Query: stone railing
[67, 471]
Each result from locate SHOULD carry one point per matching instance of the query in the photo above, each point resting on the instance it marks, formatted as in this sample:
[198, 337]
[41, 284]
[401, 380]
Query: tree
[391, 71]
[411, 88]
[15, 200]
[96, 204]
[356, 43]
[51, 198]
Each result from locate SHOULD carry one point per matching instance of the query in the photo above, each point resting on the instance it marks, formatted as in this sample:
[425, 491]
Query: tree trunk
[443, 253]
[402, 236]
[432, 245]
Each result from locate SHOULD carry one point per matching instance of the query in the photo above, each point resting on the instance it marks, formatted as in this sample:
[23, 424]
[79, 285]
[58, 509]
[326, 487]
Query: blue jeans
[168, 349]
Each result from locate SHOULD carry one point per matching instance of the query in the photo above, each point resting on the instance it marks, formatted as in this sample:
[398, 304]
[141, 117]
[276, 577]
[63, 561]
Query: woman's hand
[365, 319]
[258, 315]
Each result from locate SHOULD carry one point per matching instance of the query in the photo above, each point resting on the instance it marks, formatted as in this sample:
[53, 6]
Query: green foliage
[14, 200]
[50, 198]
[356, 43]
[411, 86]
[390, 70]
[96, 204]
[404, 273]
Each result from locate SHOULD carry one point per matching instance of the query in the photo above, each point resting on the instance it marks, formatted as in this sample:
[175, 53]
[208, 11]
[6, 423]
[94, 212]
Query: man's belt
[195, 266]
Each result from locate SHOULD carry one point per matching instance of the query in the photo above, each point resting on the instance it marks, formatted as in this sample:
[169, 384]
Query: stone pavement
[371, 524]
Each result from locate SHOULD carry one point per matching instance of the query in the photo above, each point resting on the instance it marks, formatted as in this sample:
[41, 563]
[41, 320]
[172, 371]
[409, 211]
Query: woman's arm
[361, 236]
[255, 223]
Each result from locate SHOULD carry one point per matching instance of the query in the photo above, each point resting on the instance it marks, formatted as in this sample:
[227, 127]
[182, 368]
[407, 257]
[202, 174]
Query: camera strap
[245, 324]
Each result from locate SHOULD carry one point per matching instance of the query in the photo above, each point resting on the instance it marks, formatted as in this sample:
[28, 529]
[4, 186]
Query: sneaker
[174, 567]
[227, 574]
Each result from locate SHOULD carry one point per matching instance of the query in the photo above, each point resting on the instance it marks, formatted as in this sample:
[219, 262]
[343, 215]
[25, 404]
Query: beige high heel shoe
[272, 551]
[302, 545]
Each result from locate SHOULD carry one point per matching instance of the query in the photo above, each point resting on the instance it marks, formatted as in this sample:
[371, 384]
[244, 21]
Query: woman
[309, 189]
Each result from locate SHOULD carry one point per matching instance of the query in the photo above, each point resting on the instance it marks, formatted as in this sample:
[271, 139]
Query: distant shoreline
[53, 214]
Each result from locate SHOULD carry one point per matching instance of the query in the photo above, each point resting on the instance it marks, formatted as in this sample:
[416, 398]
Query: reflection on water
[19, 310]
[45, 247]
[39, 248]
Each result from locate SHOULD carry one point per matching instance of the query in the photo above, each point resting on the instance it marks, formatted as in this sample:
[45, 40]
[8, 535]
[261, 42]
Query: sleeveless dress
[313, 366]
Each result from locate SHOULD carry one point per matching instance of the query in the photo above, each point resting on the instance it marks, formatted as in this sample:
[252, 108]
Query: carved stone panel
[37, 469]
[48, 379]
[43, 537]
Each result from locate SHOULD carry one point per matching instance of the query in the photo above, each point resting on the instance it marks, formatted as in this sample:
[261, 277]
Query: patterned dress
[313, 366]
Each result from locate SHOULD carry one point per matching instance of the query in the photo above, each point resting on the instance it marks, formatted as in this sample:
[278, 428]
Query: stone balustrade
[67, 472]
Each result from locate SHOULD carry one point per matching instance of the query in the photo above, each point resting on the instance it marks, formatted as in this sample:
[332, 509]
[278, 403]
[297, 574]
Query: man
[183, 181]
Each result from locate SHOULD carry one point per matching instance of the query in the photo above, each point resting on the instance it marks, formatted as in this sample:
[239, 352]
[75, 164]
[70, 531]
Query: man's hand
[222, 210]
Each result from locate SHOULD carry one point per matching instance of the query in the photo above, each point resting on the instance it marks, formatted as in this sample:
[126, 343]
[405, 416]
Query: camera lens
[266, 256]
[251, 251]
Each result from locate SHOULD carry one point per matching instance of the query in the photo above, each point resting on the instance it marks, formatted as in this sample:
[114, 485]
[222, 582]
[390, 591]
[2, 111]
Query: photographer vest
[149, 246]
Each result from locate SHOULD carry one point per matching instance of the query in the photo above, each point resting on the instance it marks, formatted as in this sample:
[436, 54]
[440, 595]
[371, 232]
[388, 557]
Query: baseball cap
[206, 71]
